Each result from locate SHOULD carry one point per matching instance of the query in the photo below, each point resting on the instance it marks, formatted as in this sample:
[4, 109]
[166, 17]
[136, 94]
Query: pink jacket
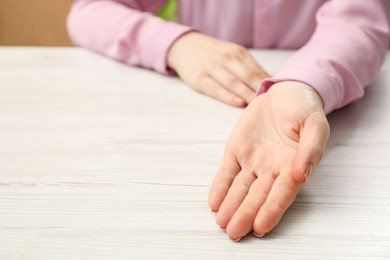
[342, 43]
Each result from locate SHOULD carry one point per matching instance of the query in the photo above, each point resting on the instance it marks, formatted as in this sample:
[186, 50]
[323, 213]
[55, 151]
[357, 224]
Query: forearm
[344, 54]
[123, 32]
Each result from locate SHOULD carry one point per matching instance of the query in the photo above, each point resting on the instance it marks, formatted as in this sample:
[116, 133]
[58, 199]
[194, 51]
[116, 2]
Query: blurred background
[34, 22]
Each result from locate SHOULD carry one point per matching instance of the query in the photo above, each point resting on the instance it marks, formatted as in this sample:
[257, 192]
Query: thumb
[313, 137]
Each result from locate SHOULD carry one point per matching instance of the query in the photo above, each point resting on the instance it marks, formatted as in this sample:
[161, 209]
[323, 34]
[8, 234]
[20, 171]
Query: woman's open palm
[270, 153]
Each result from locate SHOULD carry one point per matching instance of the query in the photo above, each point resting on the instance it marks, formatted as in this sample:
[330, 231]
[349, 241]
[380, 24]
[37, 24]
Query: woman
[284, 130]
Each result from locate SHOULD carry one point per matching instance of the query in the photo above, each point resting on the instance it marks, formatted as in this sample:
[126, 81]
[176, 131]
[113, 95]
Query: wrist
[297, 85]
[172, 53]
[178, 49]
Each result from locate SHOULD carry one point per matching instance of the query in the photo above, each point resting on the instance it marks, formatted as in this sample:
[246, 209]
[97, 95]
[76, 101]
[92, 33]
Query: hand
[269, 154]
[222, 70]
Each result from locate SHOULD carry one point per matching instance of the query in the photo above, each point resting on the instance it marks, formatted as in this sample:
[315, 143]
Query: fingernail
[238, 239]
[258, 235]
[308, 172]
[238, 100]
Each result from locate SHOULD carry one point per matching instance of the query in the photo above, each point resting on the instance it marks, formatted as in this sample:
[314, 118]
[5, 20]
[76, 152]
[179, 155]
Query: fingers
[281, 196]
[227, 171]
[236, 194]
[240, 74]
[233, 83]
[214, 89]
[196, 58]
[248, 76]
[253, 65]
[242, 220]
[250, 203]
[312, 143]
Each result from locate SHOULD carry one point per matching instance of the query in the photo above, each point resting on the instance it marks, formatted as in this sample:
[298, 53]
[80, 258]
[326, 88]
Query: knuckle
[239, 50]
[225, 171]
[317, 151]
[284, 187]
[323, 123]
[266, 223]
[198, 81]
[233, 51]
[200, 76]
[259, 191]
[241, 183]
[275, 209]
[248, 212]
[227, 56]
[326, 126]
[232, 83]
[251, 76]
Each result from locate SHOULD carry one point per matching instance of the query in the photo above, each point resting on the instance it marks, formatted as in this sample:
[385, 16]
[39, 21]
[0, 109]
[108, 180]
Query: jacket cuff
[327, 85]
[158, 42]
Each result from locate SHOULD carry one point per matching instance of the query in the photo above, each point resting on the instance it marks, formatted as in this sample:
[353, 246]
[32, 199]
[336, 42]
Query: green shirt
[168, 11]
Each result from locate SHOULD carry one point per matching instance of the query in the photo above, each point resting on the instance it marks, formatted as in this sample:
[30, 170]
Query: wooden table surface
[102, 161]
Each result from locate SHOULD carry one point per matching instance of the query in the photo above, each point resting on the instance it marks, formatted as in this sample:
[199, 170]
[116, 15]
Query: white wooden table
[102, 161]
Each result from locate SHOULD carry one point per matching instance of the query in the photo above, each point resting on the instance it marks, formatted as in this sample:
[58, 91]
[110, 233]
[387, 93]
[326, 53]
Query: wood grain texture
[102, 161]
[34, 22]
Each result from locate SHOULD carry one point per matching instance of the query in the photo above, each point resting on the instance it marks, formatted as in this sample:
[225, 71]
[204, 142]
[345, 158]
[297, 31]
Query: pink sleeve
[344, 54]
[120, 30]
